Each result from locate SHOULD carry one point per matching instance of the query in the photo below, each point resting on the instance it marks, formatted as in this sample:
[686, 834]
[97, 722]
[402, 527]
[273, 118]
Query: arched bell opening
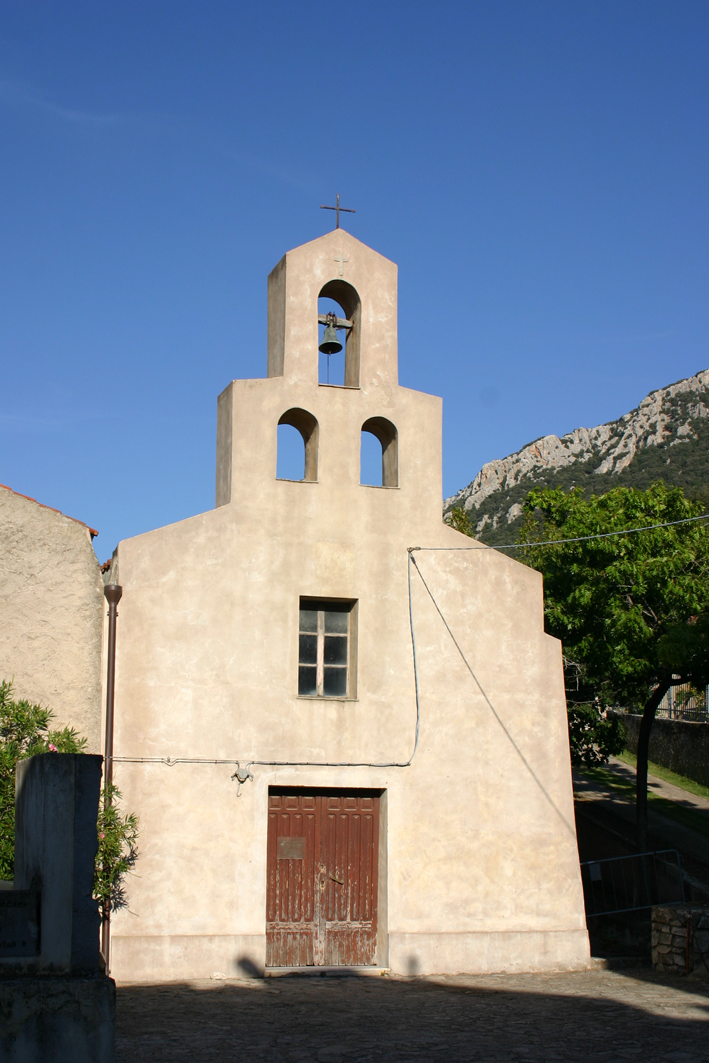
[379, 441]
[340, 312]
[297, 457]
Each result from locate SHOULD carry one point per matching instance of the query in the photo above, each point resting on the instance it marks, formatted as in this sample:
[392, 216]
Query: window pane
[308, 649]
[308, 620]
[335, 649]
[307, 680]
[335, 682]
[336, 623]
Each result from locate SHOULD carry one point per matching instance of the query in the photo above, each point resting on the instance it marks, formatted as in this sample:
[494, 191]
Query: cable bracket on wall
[241, 775]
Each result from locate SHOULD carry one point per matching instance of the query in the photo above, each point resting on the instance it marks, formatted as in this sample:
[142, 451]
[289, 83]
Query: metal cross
[341, 259]
[338, 208]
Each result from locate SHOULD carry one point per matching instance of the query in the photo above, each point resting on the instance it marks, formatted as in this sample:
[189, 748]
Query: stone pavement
[595, 1015]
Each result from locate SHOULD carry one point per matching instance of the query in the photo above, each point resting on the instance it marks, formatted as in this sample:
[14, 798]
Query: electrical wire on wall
[243, 775]
[492, 708]
[520, 546]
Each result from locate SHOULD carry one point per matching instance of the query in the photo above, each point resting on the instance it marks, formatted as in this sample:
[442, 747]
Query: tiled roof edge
[92, 531]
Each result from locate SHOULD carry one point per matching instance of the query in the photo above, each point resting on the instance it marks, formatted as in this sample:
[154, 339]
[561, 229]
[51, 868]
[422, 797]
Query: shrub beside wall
[678, 745]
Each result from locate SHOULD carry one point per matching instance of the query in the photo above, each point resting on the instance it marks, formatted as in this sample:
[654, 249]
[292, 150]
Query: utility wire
[171, 761]
[492, 708]
[557, 542]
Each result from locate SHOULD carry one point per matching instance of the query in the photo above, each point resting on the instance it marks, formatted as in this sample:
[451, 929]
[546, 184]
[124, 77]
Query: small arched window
[379, 441]
[297, 446]
[341, 301]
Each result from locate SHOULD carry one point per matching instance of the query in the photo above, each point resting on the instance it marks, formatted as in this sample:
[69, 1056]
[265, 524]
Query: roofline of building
[92, 531]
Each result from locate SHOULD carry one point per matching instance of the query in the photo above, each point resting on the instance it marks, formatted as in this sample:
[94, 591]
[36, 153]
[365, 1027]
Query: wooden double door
[323, 849]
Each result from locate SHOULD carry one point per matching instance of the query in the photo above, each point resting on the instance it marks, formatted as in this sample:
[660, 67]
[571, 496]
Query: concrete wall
[55, 1004]
[57, 1020]
[51, 605]
[56, 806]
[679, 745]
[482, 868]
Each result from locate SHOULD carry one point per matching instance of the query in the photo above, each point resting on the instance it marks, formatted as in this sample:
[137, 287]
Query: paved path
[669, 833]
[582, 1017]
[661, 788]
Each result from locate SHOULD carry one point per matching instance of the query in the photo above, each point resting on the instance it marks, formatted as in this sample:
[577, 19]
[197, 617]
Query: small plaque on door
[291, 848]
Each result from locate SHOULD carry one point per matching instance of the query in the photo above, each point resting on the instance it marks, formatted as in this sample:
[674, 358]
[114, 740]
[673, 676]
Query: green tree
[459, 519]
[594, 736]
[632, 611]
[24, 732]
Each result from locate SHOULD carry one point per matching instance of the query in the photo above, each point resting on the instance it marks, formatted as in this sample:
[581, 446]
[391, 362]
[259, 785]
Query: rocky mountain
[665, 438]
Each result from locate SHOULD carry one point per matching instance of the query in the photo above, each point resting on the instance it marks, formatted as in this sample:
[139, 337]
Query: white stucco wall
[51, 604]
[482, 868]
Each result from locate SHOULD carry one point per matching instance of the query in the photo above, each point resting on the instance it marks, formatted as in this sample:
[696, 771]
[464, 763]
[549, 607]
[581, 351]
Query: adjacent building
[51, 605]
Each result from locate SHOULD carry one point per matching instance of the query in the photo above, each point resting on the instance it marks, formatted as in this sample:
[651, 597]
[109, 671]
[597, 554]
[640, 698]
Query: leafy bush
[459, 519]
[594, 736]
[117, 850]
[24, 732]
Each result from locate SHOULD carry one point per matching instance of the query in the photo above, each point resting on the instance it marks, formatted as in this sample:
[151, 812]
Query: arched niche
[388, 437]
[306, 424]
[346, 296]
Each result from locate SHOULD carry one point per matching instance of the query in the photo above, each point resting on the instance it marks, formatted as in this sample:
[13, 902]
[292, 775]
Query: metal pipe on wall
[112, 593]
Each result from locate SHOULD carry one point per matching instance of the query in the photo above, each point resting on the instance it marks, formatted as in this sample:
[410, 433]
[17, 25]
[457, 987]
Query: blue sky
[538, 170]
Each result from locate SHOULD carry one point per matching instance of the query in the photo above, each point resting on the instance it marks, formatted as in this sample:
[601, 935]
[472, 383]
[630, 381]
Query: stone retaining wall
[680, 940]
[678, 745]
[57, 1019]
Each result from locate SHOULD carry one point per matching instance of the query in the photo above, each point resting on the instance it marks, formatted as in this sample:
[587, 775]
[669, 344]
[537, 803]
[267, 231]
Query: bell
[330, 343]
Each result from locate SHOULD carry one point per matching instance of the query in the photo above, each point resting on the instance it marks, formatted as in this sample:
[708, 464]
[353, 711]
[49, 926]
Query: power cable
[558, 542]
[242, 776]
[491, 706]
[171, 761]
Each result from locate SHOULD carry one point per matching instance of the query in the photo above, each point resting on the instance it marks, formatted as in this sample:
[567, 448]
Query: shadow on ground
[592, 1015]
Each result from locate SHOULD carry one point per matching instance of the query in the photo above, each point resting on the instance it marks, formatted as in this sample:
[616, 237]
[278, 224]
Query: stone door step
[322, 972]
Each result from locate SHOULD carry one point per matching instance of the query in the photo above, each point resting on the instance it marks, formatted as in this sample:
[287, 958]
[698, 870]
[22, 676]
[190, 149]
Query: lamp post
[112, 593]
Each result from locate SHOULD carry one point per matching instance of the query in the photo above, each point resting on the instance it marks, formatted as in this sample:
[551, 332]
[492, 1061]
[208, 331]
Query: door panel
[323, 849]
[290, 902]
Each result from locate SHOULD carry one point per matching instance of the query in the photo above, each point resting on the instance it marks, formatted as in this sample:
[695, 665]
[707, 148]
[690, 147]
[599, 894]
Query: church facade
[340, 721]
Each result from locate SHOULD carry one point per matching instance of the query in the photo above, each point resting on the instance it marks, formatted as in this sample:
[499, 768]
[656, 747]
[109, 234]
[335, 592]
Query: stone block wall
[680, 940]
[679, 745]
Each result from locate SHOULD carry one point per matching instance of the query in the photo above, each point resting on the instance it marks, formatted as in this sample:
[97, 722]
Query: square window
[326, 645]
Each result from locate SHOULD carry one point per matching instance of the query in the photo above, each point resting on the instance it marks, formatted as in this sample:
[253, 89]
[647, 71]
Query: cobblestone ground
[584, 1016]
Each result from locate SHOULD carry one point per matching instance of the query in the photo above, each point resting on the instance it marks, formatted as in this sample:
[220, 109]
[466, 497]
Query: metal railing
[683, 702]
[631, 883]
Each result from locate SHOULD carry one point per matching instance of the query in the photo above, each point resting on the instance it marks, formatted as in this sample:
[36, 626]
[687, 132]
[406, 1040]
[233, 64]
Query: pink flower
[53, 748]
[102, 836]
